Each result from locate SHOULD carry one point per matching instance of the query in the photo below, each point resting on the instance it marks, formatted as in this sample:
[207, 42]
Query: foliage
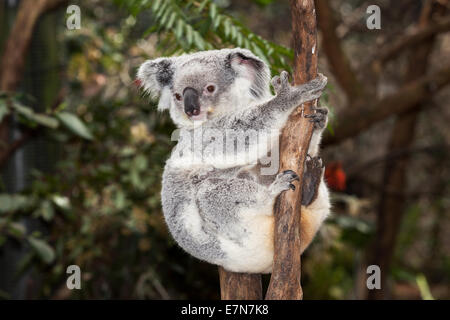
[185, 26]
[100, 207]
[51, 120]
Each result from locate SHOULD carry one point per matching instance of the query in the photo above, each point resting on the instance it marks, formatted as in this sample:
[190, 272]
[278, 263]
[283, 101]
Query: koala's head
[204, 85]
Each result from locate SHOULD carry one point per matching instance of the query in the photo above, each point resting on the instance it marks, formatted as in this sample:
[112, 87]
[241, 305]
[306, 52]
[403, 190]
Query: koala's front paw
[319, 118]
[281, 83]
[283, 182]
[318, 83]
[301, 93]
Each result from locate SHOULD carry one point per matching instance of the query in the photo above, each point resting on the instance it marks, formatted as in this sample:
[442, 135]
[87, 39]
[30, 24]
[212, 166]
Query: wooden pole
[239, 286]
[295, 138]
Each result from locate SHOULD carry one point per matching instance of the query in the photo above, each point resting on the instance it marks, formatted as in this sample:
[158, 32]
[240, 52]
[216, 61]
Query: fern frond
[188, 26]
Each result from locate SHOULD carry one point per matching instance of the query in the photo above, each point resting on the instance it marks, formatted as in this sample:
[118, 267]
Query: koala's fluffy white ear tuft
[165, 99]
[156, 77]
[250, 67]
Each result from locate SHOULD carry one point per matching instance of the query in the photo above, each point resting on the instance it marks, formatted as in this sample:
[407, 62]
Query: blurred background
[82, 149]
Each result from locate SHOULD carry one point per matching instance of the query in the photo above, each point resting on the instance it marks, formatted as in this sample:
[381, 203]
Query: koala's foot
[319, 118]
[312, 175]
[283, 182]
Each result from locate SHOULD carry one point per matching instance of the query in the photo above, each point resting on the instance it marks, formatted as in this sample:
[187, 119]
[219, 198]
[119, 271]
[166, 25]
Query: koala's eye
[210, 88]
[178, 96]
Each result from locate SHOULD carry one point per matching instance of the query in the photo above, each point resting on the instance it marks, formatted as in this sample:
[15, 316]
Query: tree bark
[295, 138]
[239, 286]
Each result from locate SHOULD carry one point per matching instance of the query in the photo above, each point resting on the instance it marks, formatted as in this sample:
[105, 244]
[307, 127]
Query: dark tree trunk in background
[15, 50]
[337, 59]
[392, 207]
[30, 63]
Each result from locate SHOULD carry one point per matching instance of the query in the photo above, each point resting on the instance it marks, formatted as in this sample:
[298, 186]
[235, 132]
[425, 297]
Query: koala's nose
[191, 103]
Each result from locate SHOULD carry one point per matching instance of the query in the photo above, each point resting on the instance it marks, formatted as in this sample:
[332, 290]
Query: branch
[389, 50]
[295, 138]
[360, 117]
[12, 63]
[340, 65]
[358, 168]
[13, 60]
[13, 147]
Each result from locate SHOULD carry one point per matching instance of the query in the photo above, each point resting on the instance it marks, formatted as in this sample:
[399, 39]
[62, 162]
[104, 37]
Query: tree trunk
[12, 63]
[392, 207]
[295, 138]
[239, 286]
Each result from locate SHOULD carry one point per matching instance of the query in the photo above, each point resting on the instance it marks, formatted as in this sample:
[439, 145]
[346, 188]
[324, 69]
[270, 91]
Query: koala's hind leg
[223, 201]
[239, 212]
[315, 200]
[312, 176]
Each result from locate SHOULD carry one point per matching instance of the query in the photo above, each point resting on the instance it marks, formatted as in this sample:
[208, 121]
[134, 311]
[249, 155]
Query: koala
[217, 202]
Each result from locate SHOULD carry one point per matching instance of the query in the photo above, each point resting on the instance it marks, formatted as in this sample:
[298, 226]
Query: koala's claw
[292, 173]
[319, 118]
[283, 182]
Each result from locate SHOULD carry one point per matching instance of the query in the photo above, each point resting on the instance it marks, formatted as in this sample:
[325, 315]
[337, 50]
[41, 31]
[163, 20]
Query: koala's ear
[156, 78]
[249, 66]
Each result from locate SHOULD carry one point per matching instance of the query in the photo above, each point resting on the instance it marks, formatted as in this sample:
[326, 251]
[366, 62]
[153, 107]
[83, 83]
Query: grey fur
[205, 199]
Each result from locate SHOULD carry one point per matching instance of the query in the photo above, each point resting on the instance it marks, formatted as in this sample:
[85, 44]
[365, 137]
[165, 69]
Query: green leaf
[424, 288]
[199, 42]
[179, 29]
[156, 5]
[202, 6]
[43, 249]
[141, 162]
[164, 18]
[3, 109]
[189, 36]
[46, 120]
[217, 22]
[46, 210]
[14, 202]
[61, 202]
[213, 11]
[17, 229]
[233, 33]
[74, 124]
[171, 20]
[36, 117]
[161, 11]
[240, 40]
[227, 27]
